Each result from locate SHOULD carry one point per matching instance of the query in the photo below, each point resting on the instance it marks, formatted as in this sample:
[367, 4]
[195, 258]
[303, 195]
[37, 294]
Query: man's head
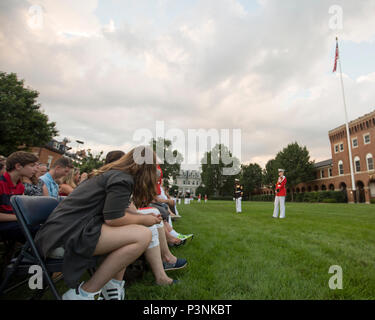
[24, 163]
[42, 170]
[61, 167]
[113, 156]
[281, 172]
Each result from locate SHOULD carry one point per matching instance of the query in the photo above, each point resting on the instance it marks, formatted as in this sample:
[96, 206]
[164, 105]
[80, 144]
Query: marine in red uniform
[280, 193]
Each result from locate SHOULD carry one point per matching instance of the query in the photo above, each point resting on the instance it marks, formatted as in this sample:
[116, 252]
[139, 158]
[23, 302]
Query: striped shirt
[8, 189]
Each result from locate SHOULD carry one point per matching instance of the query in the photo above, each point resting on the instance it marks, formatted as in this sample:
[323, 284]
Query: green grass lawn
[253, 256]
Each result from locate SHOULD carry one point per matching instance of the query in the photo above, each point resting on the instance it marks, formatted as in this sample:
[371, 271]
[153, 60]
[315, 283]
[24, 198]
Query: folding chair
[9, 248]
[32, 212]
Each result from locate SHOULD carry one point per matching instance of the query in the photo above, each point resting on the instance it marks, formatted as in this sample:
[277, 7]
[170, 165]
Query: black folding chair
[31, 212]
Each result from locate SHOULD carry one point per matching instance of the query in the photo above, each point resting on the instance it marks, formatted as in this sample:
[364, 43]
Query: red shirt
[8, 189]
[281, 182]
[158, 186]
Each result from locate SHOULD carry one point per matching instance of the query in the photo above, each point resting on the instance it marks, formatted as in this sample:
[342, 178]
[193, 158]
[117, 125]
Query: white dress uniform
[280, 197]
[238, 193]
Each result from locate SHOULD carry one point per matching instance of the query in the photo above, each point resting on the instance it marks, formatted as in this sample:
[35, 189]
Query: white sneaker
[113, 291]
[75, 294]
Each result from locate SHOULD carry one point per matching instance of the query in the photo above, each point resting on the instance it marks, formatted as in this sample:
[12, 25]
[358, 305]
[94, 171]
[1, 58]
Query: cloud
[104, 69]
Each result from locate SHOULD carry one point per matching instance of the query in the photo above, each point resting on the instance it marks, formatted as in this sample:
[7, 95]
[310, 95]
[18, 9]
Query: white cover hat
[281, 170]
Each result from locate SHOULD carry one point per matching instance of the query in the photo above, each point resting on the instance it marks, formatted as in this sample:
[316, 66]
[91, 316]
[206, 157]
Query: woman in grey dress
[92, 223]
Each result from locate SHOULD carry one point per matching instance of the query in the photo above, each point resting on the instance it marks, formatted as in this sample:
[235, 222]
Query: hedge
[227, 198]
[317, 196]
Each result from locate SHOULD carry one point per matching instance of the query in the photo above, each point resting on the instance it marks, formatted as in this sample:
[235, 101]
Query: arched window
[331, 187]
[323, 187]
[341, 167]
[357, 164]
[370, 161]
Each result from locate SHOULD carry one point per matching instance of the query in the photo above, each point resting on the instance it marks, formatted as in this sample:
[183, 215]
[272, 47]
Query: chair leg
[8, 275]
[9, 271]
[10, 248]
[50, 284]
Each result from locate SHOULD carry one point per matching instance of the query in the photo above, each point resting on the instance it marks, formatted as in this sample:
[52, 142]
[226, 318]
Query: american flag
[336, 56]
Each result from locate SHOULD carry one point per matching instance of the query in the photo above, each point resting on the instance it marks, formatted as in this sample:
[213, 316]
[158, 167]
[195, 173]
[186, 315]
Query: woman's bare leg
[153, 257]
[123, 245]
[170, 238]
[166, 254]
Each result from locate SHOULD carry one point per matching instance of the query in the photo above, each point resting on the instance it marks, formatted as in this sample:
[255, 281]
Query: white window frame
[341, 163]
[338, 148]
[355, 138]
[341, 144]
[364, 138]
[321, 173]
[49, 162]
[329, 172]
[356, 158]
[369, 156]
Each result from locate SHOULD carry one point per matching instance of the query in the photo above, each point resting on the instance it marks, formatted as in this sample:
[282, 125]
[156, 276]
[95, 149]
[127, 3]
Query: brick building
[334, 173]
[52, 151]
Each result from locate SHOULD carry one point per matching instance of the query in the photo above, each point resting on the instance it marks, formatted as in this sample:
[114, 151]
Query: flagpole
[347, 128]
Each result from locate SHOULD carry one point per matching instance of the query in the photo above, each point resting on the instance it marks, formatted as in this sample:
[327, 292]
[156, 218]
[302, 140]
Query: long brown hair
[143, 172]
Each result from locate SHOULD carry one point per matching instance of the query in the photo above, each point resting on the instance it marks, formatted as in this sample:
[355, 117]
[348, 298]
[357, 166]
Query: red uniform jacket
[281, 182]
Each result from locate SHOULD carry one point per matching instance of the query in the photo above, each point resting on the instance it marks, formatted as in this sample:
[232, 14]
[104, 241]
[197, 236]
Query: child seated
[19, 165]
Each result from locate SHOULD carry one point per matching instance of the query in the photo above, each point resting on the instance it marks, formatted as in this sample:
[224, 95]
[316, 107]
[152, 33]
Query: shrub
[262, 197]
[329, 200]
[315, 196]
[298, 197]
[226, 198]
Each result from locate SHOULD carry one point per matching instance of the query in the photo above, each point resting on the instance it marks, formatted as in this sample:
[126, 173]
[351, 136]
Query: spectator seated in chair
[19, 165]
[60, 168]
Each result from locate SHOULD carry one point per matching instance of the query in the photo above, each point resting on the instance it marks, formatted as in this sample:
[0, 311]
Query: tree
[22, 123]
[90, 162]
[164, 150]
[213, 177]
[251, 178]
[296, 162]
[172, 190]
[202, 190]
[270, 173]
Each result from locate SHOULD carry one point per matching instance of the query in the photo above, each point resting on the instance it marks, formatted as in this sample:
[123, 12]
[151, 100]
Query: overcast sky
[107, 68]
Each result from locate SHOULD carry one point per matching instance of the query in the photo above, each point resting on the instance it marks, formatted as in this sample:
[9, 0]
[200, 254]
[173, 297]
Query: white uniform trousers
[238, 204]
[279, 201]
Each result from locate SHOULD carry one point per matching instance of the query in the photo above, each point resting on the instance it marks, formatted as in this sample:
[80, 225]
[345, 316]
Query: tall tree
[251, 177]
[296, 162]
[90, 162]
[215, 179]
[22, 123]
[270, 173]
[164, 150]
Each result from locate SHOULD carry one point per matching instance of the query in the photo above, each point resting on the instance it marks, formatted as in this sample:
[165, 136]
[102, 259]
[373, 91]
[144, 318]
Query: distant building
[188, 180]
[54, 150]
[334, 173]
